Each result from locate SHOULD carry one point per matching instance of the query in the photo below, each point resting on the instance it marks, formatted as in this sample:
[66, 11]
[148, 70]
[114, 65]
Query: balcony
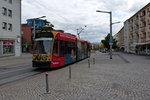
[142, 18]
[131, 40]
[131, 32]
[143, 29]
[136, 40]
[149, 13]
[136, 31]
[143, 39]
[136, 21]
[131, 24]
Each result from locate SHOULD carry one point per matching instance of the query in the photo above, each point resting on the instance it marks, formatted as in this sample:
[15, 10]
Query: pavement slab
[125, 77]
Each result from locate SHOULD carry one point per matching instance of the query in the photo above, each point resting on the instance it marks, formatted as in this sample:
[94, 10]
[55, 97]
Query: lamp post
[110, 40]
[78, 33]
[34, 25]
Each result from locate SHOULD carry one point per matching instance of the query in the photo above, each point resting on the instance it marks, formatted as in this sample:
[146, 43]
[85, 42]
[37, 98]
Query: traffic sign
[111, 42]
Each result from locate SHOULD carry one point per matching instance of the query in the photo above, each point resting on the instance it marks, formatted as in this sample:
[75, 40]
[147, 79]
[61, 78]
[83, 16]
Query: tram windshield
[43, 46]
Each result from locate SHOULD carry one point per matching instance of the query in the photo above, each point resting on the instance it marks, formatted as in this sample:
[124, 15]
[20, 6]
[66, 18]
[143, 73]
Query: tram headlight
[33, 57]
[48, 58]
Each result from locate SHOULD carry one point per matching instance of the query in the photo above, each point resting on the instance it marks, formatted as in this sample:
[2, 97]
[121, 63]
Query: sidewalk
[23, 55]
[107, 79]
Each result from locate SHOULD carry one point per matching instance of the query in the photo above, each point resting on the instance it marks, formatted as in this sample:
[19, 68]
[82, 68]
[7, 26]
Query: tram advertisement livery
[56, 49]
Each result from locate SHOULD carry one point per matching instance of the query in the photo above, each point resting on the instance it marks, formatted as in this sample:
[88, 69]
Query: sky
[70, 15]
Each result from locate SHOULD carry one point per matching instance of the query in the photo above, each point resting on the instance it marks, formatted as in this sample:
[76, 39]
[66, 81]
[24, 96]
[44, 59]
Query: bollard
[70, 72]
[89, 63]
[47, 85]
[93, 60]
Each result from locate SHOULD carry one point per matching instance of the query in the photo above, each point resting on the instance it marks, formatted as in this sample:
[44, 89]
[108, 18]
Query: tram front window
[43, 46]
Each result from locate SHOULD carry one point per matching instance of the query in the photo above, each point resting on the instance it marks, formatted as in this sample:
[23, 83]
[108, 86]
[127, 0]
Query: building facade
[10, 27]
[126, 37]
[38, 23]
[26, 38]
[139, 31]
[28, 33]
[120, 40]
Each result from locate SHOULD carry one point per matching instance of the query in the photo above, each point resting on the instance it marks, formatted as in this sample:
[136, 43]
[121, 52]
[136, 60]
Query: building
[139, 31]
[10, 27]
[38, 23]
[28, 33]
[116, 38]
[126, 37]
[120, 36]
[26, 38]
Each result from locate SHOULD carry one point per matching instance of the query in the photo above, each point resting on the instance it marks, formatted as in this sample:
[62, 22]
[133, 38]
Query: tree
[101, 46]
[48, 26]
[106, 42]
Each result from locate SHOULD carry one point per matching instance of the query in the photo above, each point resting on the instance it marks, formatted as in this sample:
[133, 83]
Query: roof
[139, 10]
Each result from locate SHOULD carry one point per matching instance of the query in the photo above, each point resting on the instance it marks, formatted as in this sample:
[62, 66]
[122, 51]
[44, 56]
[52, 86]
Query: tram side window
[69, 47]
[66, 47]
[62, 48]
[56, 48]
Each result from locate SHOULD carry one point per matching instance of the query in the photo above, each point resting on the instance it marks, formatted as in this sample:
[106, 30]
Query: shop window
[4, 26]
[10, 13]
[8, 47]
[10, 27]
[4, 11]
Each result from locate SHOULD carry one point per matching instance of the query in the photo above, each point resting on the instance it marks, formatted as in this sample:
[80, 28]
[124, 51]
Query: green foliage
[106, 42]
[48, 26]
[101, 46]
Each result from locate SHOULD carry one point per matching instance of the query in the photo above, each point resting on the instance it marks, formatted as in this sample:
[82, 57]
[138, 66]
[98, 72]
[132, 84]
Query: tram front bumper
[41, 64]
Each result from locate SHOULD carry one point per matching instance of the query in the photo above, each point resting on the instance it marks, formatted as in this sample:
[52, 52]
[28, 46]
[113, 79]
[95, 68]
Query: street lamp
[116, 22]
[110, 40]
[78, 33]
[34, 24]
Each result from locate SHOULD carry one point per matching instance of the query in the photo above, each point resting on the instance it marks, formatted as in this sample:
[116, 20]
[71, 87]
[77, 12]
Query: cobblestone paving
[121, 78]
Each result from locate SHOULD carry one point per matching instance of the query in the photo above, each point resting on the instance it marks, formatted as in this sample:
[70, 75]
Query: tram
[55, 49]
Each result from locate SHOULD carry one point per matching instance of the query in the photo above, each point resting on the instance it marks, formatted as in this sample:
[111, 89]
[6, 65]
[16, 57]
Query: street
[124, 77]
[14, 69]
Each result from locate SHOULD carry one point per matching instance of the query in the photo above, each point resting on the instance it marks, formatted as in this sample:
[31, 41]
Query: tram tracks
[18, 73]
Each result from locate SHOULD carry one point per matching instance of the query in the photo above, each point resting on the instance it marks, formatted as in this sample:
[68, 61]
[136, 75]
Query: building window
[8, 47]
[10, 1]
[10, 27]
[4, 26]
[4, 12]
[10, 13]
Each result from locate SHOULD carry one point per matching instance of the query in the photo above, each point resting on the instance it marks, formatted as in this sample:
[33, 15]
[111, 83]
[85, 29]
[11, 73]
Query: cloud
[72, 15]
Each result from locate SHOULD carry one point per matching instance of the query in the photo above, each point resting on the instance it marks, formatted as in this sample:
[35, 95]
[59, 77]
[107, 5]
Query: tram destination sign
[43, 34]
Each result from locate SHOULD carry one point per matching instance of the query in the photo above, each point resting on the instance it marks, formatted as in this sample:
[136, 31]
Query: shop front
[7, 48]
[143, 48]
